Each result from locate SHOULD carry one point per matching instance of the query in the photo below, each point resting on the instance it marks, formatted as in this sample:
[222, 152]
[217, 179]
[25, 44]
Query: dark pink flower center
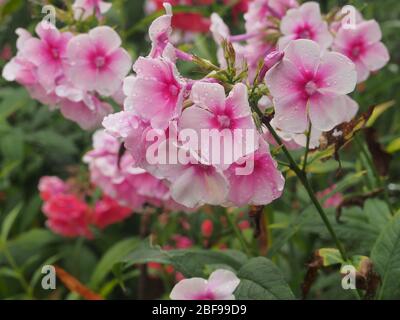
[173, 89]
[224, 121]
[304, 32]
[311, 87]
[100, 62]
[356, 50]
[204, 296]
[55, 53]
[204, 169]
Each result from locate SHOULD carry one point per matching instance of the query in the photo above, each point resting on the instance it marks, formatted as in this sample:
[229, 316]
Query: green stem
[307, 148]
[28, 289]
[303, 179]
[239, 235]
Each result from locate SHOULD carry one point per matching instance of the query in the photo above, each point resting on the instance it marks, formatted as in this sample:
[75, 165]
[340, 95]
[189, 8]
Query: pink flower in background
[227, 115]
[259, 25]
[305, 22]
[364, 47]
[334, 200]
[51, 186]
[68, 216]
[97, 62]
[263, 185]
[310, 85]
[84, 9]
[107, 211]
[182, 242]
[207, 228]
[220, 286]
[156, 92]
[184, 21]
[48, 54]
[6, 52]
[260, 12]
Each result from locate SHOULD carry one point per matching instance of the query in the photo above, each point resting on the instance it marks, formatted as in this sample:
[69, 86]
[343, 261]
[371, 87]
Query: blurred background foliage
[35, 142]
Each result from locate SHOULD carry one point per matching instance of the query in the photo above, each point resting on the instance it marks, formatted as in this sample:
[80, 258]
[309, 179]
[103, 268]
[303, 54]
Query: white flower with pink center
[97, 62]
[305, 22]
[263, 185]
[84, 9]
[48, 54]
[220, 286]
[229, 116]
[310, 84]
[364, 47]
[156, 92]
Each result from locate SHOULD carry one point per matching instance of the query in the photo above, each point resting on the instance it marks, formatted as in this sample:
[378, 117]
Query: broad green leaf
[29, 243]
[378, 213]
[110, 258]
[386, 258]
[309, 214]
[190, 262]
[260, 279]
[9, 221]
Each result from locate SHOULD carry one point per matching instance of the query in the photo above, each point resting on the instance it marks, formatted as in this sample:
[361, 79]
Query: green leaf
[29, 243]
[260, 279]
[9, 222]
[378, 213]
[110, 258]
[386, 258]
[191, 262]
[394, 146]
[378, 111]
[330, 256]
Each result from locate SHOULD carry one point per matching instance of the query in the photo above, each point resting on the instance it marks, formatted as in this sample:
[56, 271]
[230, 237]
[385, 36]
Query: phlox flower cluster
[71, 72]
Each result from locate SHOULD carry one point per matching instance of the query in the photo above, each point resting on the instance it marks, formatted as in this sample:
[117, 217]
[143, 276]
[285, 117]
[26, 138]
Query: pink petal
[291, 114]
[304, 54]
[362, 71]
[78, 47]
[311, 12]
[209, 96]
[337, 73]
[327, 111]
[223, 283]
[282, 79]
[107, 37]
[195, 118]
[376, 56]
[238, 101]
[196, 187]
[370, 31]
[188, 289]
[121, 62]
[290, 21]
[107, 82]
